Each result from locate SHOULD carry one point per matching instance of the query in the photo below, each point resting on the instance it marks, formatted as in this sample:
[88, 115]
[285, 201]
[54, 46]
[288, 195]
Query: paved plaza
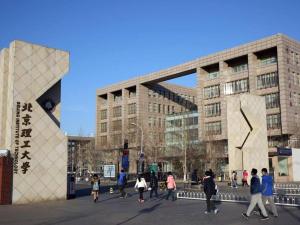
[111, 210]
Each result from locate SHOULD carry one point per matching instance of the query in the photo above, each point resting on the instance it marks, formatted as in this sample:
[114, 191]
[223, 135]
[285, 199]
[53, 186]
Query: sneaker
[206, 212]
[275, 216]
[245, 216]
[216, 211]
[95, 200]
[264, 218]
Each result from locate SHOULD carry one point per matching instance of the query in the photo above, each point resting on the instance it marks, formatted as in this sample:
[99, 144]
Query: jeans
[153, 189]
[171, 192]
[210, 204]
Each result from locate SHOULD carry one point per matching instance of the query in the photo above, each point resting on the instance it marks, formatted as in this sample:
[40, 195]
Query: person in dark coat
[153, 184]
[209, 190]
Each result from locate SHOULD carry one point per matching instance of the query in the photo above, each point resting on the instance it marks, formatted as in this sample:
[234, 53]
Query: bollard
[293, 200]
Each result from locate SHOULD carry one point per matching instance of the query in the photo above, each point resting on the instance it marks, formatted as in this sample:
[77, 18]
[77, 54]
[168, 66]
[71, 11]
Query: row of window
[117, 111]
[294, 99]
[190, 121]
[178, 136]
[267, 80]
[212, 109]
[161, 108]
[175, 97]
[211, 128]
[239, 86]
[273, 121]
[235, 87]
[243, 67]
[117, 125]
[155, 122]
[294, 78]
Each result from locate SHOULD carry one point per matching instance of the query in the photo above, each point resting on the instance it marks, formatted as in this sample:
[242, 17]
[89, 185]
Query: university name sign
[23, 132]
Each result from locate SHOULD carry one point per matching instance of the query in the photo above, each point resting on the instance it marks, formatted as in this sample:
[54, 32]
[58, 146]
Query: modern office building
[269, 67]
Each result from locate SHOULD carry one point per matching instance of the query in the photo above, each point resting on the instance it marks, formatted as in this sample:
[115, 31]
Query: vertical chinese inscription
[23, 136]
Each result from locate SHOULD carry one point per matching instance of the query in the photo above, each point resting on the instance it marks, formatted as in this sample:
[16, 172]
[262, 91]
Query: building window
[193, 135]
[103, 127]
[267, 80]
[212, 110]
[212, 91]
[154, 108]
[159, 108]
[131, 138]
[235, 87]
[213, 128]
[213, 75]
[149, 107]
[268, 60]
[132, 108]
[273, 121]
[272, 100]
[117, 125]
[116, 139]
[131, 121]
[103, 114]
[191, 121]
[283, 169]
[240, 68]
[103, 140]
[117, 111]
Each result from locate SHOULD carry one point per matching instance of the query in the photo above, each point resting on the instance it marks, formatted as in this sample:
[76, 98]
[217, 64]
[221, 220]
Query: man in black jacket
[153, 184]
[255, 190]
[209, 190]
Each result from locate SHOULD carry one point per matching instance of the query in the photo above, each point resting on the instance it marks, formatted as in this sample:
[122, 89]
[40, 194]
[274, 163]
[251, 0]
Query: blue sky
[112, 41]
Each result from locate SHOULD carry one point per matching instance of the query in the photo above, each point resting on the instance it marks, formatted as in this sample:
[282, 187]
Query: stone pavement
[111, 210]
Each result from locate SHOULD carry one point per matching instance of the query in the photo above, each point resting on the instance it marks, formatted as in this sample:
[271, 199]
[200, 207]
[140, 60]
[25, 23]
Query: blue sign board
[284, 151]
[125, 162]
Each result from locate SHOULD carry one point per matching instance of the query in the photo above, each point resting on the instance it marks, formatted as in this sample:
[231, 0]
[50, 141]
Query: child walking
[95, 187]
[141, 185]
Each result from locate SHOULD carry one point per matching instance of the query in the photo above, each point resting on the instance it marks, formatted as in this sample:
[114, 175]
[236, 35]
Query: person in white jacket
[141, 185]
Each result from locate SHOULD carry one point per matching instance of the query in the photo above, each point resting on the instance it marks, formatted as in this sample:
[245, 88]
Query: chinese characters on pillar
[23, 134]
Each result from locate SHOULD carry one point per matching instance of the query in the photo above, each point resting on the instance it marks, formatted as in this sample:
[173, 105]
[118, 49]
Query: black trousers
[122, 190]
[153, 189]
[210, 205]
[141, 191]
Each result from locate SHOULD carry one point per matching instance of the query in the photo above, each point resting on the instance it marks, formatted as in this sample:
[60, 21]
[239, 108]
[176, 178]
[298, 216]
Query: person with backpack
[122, 181]
[256, 199]
[95, 187]
[267, 191]
[141, 185]
[209, 187]
[171, 186]
[153, 184]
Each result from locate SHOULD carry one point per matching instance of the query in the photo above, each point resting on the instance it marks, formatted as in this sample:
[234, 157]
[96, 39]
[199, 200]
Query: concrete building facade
[269, 67]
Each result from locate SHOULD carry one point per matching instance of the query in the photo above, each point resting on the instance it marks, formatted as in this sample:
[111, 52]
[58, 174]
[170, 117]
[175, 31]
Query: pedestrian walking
[95, 182]
[267, 191]
[153, 184]
[122, 181]
[245, 178]
[234, 179]
[171, 186]
[209, 187]
[141, 185]
[256, 199]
